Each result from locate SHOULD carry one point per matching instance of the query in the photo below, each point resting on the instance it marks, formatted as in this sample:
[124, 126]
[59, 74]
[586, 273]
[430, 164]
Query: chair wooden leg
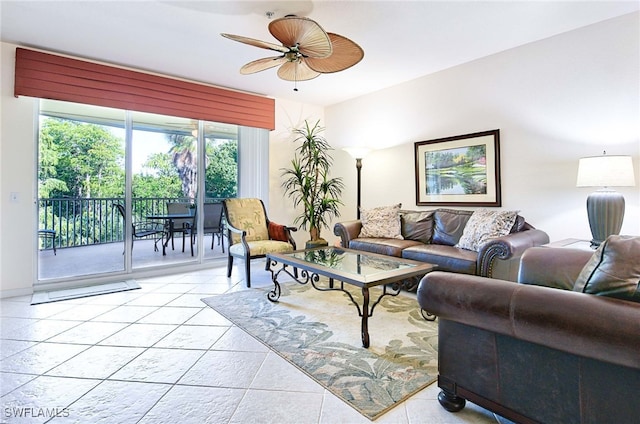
[247, 271]
[229, 266]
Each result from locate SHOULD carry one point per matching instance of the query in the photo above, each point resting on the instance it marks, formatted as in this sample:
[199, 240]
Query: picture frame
[463, 170]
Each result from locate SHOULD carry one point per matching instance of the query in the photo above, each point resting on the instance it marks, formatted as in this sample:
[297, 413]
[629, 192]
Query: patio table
[169, 219]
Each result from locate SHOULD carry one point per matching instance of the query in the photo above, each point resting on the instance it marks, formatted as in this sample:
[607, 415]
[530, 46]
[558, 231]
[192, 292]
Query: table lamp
[605, 207]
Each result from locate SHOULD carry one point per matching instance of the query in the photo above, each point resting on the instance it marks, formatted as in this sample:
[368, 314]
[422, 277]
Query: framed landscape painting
[459, 171]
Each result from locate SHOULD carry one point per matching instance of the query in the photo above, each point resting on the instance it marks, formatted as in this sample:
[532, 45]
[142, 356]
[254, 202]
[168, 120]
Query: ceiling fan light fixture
[292, 56]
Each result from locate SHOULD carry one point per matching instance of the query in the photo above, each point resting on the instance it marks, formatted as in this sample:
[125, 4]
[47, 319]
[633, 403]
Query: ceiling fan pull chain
[295, 77]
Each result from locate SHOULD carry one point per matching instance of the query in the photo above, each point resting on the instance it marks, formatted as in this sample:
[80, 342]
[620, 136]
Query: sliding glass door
[164, 173]
[220, 182]
[81, 176]
[121, 190]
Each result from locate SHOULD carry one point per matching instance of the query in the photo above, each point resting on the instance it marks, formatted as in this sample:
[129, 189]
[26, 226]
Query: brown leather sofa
[536, 354]
[431, 236]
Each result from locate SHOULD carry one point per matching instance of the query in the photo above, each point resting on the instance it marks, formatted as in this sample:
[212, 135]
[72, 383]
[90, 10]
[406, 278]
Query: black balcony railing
[82, 222]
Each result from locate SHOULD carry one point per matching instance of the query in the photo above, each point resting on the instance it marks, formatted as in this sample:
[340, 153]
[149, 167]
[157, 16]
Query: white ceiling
[402, 40]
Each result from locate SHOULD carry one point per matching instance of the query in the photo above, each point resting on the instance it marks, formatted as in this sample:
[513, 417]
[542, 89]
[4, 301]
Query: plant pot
[318, 243]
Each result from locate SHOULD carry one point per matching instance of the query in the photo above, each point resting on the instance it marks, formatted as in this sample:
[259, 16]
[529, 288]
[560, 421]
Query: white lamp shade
[357, 152]
[605, 171]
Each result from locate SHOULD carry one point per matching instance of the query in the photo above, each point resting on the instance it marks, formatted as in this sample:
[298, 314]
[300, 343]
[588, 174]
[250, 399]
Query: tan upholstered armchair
[251, 235]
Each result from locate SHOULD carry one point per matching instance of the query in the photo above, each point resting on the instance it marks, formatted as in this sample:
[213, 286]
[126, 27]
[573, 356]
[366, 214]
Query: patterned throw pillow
[613, 270]
[381, 222]
[484, 225]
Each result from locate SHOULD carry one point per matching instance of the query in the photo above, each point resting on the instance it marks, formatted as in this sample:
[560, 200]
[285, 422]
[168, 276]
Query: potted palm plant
[308, 184]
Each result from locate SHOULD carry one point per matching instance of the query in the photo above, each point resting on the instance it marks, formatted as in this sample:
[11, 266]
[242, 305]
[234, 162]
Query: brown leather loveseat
[542, 354]
[431, 236]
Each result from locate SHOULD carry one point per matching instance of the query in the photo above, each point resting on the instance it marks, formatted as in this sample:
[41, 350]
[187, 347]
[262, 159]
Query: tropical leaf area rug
[319, 332]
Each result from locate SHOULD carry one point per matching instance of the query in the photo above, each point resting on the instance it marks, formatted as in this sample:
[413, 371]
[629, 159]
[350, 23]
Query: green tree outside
[88, 159]
[164, 183]
[221, 177]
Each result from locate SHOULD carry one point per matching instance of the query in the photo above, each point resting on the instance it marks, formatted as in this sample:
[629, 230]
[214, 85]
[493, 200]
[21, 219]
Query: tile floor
[160, 355]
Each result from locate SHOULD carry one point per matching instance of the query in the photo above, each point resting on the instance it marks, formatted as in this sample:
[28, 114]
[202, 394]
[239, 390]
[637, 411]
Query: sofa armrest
[597, 327]
[347, 231]
[552, 267]
[507, 247]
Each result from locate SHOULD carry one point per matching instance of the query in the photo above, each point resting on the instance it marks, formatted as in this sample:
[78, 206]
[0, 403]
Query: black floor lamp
[358, 153]
[605, 207]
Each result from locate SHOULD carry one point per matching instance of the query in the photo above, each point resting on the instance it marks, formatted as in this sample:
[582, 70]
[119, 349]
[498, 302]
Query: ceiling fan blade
[311, 39]
[345, 54]
[262, 64]
[256, 43]
[296, 71]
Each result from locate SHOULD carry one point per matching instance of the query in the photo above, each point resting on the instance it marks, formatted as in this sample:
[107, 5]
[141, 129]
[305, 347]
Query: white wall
[554, 101]
[17, 170]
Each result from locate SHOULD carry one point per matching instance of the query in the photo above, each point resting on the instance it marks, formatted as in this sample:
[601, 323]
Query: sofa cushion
[613, 270]
[383, 246]
[485, 225]
[448, 258]
[383, 222]
[449, 225]
[417, 225]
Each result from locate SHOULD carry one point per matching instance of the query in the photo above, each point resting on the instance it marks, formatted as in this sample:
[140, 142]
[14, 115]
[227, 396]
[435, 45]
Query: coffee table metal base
[307, 277]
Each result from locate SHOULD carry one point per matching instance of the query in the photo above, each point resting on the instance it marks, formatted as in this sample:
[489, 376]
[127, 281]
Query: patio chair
[251, 235]
[143, 229]
[47, 234]
[180, 225]
[212, 224]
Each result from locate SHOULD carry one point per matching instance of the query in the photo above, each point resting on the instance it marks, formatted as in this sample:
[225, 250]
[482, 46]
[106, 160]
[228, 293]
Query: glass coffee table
[346, 266]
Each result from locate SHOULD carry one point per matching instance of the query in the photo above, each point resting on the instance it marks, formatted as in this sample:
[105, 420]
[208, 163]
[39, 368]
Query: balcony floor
[106, 258]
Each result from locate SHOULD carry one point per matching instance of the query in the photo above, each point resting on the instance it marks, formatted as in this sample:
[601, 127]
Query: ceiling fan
[306, 51]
